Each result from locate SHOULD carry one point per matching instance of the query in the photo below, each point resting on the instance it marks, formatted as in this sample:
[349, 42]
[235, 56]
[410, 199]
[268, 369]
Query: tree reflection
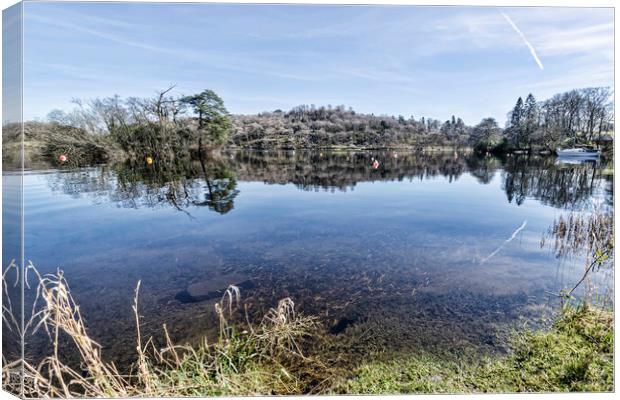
[483, 168]
[314, 170]
[180, 183]
[221, 185]
[211, 180]
[556, 184]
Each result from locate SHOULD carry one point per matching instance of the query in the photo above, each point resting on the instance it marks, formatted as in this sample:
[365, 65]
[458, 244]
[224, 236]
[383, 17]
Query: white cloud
[587, 39]
[100, 34]
[550, 31]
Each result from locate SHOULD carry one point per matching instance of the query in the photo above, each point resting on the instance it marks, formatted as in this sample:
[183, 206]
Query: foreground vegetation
[576, 354]
[244, 359]
[283, 355]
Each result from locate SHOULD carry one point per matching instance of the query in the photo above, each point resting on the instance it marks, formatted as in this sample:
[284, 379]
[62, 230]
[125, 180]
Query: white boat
[581, 152]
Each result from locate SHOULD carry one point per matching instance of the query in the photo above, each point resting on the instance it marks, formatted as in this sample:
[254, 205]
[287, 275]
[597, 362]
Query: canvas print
[205, 199]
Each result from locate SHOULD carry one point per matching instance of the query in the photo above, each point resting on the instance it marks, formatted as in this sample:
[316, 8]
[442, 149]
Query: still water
[427, 250]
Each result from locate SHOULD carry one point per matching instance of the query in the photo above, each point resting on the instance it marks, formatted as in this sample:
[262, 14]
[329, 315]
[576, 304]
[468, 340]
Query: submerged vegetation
[291, 353]
[281, 351]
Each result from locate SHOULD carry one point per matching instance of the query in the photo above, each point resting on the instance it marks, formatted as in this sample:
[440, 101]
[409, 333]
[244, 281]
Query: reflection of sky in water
[447, 222]
[430, 234]
[11, 231]
[11, 216]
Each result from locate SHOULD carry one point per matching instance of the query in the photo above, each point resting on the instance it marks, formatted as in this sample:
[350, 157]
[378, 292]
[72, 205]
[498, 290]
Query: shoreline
[254, 354]
[44, 143]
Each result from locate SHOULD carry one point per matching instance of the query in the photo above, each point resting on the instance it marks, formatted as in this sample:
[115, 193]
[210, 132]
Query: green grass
[231, 368]
[576, 354]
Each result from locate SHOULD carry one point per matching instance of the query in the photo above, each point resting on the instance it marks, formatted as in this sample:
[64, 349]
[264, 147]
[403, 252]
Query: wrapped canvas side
[12, 202]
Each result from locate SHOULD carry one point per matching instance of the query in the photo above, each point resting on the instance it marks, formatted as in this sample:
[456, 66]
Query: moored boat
[584, 152]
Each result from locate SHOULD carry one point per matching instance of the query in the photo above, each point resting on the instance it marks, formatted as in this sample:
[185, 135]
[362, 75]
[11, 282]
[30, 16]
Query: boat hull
[578, 153]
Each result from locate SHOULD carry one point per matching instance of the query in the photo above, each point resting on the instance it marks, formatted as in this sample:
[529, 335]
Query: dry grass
[592, 234]
[262, 359]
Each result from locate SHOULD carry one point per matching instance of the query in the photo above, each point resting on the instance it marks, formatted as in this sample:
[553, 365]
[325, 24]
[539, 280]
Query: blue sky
[420, 61]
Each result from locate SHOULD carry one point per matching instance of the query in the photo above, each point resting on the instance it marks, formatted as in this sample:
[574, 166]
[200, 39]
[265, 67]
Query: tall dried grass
[262, 359]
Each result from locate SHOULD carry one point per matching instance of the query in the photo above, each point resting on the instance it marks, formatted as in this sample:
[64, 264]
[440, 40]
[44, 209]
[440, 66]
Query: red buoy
[62, 158]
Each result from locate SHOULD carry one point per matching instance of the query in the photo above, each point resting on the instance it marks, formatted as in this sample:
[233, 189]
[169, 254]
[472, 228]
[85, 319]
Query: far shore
[42, 142]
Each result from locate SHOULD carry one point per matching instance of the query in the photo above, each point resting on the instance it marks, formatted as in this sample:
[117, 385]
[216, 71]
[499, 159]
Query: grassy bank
[576, 354]
[285, 354]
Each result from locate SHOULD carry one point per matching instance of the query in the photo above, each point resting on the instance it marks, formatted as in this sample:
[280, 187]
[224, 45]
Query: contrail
[527, 43]
[510, 239]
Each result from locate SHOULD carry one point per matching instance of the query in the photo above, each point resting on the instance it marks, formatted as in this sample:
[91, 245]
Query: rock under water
[201, 292]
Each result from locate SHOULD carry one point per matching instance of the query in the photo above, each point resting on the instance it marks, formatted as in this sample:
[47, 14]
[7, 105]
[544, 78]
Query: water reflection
[184, 183]
[180, 183]
[557, 184]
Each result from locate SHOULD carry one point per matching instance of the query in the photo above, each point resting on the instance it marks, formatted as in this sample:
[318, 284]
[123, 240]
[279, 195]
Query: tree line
[166, 123]
[577, 116]
[159, 126]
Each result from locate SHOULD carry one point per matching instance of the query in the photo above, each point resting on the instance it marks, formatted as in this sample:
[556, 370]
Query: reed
[261, 359]
[590, 236]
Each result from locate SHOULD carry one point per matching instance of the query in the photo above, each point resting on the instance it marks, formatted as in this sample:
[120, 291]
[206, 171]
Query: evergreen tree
[213, 120]
[530, 119]
[516, 123]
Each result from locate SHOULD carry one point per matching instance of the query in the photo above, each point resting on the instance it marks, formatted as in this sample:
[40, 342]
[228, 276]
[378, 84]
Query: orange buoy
[62, 158]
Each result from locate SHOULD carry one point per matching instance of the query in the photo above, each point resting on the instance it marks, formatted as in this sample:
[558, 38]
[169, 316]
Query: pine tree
[516, 123]
[530, 118]
[213, 119]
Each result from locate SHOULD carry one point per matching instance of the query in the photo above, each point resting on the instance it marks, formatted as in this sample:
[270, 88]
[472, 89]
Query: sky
[471, 62]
